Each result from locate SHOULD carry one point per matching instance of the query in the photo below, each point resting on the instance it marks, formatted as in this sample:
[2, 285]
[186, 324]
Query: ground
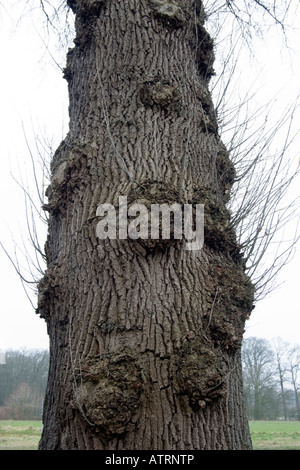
[275, 435]
[20, 435]
[266, 435]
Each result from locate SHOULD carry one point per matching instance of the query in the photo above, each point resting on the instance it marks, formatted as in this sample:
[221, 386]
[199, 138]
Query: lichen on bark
[169, 11]
[160, 92]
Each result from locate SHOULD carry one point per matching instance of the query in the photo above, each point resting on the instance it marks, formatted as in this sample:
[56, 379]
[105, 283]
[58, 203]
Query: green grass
[275, 435]
[266, 435]
[20, 435]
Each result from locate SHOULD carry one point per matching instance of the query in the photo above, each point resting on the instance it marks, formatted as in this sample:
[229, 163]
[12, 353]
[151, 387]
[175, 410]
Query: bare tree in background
[145, 340]
[269, 371]
[294, 368]
[258, 360]
[280, 349]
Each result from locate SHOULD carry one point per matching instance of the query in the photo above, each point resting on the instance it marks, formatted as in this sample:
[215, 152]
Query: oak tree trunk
[145, 335]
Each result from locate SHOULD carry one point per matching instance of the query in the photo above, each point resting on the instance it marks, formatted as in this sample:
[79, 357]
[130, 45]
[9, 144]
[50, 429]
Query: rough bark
[145, 336]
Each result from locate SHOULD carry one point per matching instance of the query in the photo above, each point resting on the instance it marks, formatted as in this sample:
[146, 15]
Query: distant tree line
[271, 374]
[23, 380]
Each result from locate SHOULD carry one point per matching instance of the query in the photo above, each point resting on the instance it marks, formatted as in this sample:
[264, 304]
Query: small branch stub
[169, 10]
[160, 92]
[78, 5]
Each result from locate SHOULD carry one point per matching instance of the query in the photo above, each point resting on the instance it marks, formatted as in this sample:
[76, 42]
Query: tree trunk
[145, 335]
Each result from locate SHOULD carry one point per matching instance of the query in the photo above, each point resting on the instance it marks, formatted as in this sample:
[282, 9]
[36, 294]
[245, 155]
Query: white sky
[33, 92]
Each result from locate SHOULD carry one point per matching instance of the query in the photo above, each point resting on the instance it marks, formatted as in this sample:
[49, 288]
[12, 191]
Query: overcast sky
[33, 97]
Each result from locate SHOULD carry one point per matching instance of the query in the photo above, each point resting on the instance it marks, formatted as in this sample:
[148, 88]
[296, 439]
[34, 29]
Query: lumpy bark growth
[145, 336]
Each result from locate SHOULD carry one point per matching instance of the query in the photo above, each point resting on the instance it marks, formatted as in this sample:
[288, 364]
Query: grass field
[275, 435]
[266, 435]
[19, 435]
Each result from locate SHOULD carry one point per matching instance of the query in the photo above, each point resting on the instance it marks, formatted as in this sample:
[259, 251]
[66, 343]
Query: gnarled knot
[160, 92]
[107, 391]
[201, 372]
[169, 10]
